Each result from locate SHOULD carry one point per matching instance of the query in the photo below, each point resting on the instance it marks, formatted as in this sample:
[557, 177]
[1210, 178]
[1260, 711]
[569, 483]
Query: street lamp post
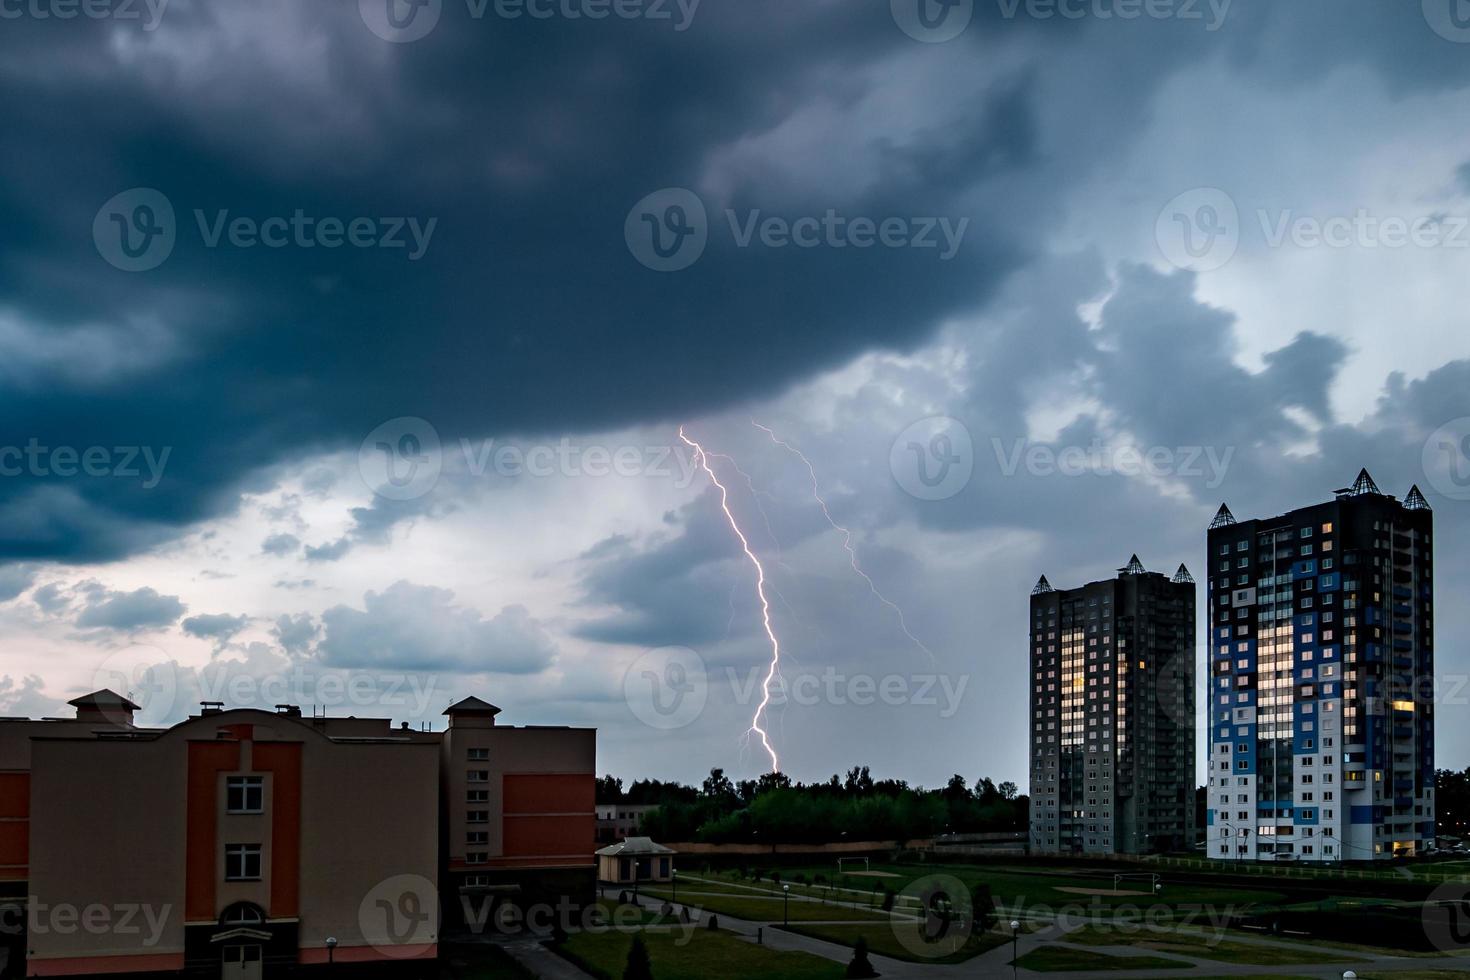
[674, 881]
[785, 905]
[331, 953]
[1015, 944]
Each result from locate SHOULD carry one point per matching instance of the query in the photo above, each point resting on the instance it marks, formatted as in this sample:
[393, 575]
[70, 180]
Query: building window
[479, 755]
[245, 794]
[477, 816]
[242, 914]
[477, 776]
[242, 862]
[477, 796]
[477, 837]
[477, 857]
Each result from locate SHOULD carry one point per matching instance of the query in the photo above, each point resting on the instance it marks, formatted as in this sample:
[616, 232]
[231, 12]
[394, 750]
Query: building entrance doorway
[242, 962]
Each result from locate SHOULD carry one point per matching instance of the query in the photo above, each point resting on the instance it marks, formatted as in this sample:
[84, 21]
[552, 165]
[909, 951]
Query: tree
[718, 786]
[609, 790]
[859, 782]
[1008, 791]
[956, 790]
[639, 967]
[860, 968]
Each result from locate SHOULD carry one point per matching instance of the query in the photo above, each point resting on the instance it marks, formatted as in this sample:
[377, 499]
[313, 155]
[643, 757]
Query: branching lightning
[760, 587]
[846, 538]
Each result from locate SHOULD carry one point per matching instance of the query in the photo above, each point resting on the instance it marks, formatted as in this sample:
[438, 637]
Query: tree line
[774, 809]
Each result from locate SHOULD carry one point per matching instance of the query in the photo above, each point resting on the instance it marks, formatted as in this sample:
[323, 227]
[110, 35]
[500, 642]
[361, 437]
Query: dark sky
[255, 252]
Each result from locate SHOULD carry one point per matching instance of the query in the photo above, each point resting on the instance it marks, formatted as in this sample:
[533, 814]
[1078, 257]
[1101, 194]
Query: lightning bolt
[846, 538]
[760, 587]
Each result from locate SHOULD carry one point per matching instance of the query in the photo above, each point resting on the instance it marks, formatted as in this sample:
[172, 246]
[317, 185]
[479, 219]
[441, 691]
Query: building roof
[103, 700]
[472, 706]
[635, 847]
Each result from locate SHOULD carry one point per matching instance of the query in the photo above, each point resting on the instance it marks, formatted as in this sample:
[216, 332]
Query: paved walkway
[542, 962]
[997, 962]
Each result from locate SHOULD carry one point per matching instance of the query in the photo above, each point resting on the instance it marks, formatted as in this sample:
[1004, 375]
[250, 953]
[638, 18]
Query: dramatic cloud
[142, 609]
[416, 627]
[281, 544]
[220, 627]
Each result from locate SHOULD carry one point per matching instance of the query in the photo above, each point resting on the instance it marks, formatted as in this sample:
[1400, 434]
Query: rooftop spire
[1134, 567]
[1362, 486]
[1182, 577]
[1042, 587]
[1415, 500]
[1223, 518]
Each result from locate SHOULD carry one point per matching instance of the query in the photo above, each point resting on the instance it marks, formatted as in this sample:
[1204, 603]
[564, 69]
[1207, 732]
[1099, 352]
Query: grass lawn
[1029, 886]
[709, 953]
[1412, 975]
[756, 908]
[479, 962]
[1054, 959]
[1200, 945]
[883, 941]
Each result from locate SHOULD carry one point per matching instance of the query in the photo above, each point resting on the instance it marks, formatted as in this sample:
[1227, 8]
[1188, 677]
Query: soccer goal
[1152, 879]
[841, 863]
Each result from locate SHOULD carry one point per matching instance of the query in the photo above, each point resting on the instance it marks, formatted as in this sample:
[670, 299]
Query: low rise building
[246, 843]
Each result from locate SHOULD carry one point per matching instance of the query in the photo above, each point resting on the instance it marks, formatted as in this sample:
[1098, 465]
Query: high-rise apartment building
[1321, 670]
[1112, 714]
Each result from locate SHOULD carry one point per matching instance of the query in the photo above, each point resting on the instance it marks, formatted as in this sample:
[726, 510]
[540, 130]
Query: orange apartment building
[245, 843]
